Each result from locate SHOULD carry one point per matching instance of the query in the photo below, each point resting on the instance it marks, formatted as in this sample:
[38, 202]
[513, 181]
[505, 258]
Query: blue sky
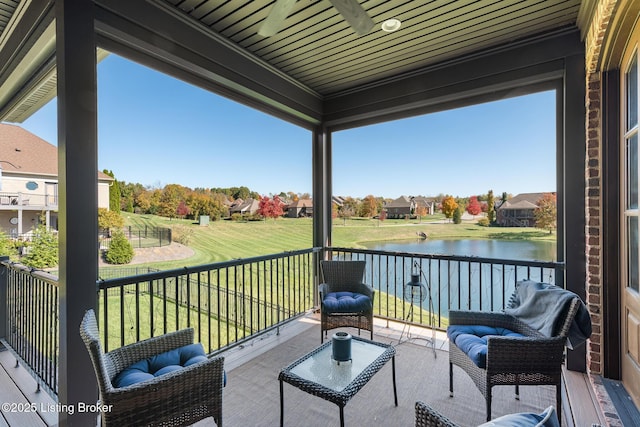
[156, 130]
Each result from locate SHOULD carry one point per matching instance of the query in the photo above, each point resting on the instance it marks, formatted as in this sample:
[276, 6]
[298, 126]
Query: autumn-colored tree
[491, 207]
[546, 213]
[369, 207]
[182, 210]
[271, 208]
[109, 220]
[170, 198]
[382, 216]
[345, 211]
[421, 211]
[474, 208]
[449, 206]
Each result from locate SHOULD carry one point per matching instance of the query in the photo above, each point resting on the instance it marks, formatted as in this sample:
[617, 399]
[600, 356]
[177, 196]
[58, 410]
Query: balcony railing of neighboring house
[27, 200]
[231, 302]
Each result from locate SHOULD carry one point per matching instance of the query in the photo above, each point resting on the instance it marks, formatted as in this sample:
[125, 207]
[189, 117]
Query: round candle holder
[341, 347]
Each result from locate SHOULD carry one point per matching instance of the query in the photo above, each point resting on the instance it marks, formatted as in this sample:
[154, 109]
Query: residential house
[29, 182]
[320, 75]
[430, 204]
[518, 211]
[300, 208]
[401, 207]
[244, 207]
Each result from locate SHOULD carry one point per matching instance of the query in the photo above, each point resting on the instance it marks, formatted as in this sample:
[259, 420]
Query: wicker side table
[317, 374]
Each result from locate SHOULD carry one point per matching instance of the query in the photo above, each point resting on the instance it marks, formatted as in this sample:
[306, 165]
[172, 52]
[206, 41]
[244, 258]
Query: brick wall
[593, 179]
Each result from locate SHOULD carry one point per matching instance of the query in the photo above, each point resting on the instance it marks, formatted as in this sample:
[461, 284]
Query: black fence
[147, 237]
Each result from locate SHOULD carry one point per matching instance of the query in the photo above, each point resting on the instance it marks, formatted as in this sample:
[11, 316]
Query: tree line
[174, 200]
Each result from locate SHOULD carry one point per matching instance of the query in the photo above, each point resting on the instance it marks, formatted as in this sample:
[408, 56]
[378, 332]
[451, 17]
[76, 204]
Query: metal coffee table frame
[341, 397]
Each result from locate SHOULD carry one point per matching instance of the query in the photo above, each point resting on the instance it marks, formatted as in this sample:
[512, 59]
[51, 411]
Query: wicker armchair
[345, 276]
[177, 398]
[532, 360]
[426, 416]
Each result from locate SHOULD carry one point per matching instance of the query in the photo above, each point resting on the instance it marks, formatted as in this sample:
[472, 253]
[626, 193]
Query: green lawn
[225, 240]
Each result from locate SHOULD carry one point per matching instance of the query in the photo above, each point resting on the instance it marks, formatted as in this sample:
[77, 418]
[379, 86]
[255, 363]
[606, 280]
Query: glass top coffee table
[318, 374]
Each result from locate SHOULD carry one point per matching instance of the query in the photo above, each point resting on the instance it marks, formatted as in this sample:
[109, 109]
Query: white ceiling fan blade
[355, 15]
[278, 14]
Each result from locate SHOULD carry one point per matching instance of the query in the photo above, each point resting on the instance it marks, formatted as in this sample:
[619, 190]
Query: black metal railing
[231, 302]
[226, 303]
[453, 282]
[29, 319]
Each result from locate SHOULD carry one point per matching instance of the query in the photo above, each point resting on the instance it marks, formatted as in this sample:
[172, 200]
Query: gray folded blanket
[542, 305]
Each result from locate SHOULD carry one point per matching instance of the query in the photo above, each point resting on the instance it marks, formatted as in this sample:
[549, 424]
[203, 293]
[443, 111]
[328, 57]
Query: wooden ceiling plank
[444, 36]
[230, 13]
[446, 24]
[361, 75]
[331, 39]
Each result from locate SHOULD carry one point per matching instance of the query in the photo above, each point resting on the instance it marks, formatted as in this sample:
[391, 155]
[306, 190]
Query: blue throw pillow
[548, 418]
[160, 364]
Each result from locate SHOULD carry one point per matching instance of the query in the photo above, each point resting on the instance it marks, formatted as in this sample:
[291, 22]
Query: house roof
[523, 201]
[22, 152]
[302, 203]
[400, 202]
[249, 205]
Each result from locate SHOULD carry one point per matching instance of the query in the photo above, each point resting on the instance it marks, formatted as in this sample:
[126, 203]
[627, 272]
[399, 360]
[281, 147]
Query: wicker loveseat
[345, 301]
[514, 353]
[182, 396]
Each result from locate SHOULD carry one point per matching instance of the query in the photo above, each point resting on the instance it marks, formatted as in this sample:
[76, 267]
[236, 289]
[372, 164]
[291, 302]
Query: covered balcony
[260, 314]
[326, 68]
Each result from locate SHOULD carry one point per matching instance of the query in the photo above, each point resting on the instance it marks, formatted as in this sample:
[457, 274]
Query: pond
[522, 250]
[465, 284]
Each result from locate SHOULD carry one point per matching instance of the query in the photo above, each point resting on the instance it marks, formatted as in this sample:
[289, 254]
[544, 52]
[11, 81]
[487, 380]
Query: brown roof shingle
[23, 152]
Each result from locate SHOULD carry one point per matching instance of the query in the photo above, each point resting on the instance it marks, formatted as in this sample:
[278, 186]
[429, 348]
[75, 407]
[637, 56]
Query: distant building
[400, 207]
[29, 182]
[244, 207]
[518, 210]
[429, 203]
[300, 208]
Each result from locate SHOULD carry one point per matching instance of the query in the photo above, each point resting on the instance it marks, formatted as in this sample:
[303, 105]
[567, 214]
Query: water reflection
[523, 250]
[465, 284]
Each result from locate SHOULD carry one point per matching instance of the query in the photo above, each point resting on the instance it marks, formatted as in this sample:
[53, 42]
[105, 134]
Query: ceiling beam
[156, 34]
[482, 77]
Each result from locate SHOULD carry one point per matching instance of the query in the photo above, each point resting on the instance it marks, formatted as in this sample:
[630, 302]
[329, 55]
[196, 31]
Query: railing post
[4, 278]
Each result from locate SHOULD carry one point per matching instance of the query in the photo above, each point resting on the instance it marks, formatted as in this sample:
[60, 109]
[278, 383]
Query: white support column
[78, 212]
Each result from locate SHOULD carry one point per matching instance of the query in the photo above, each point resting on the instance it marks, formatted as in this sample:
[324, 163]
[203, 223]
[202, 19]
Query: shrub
[120, 251]
[236, 217]
[43, 251]
[181, 234]
[7, 247]
[484, 222]
[457, 216]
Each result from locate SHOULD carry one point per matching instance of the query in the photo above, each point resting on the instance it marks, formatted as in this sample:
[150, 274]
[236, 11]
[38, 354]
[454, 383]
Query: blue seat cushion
[346, 302]
[160, 364]
[472, 340]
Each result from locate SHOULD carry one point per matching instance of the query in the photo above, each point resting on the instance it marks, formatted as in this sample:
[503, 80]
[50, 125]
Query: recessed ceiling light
[391, 25]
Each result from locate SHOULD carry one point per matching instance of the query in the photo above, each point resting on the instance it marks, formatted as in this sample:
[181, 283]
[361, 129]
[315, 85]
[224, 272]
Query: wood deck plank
[23, 388]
